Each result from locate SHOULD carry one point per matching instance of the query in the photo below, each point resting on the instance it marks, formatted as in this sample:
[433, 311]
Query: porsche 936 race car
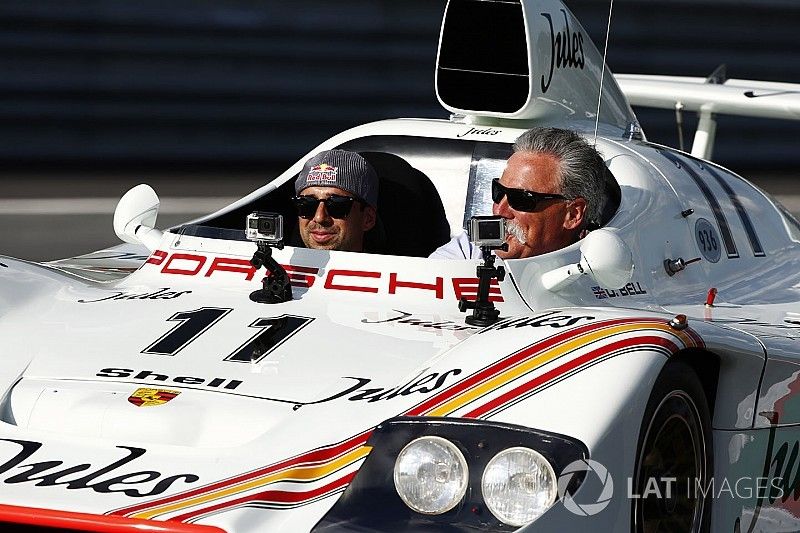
[655, 390]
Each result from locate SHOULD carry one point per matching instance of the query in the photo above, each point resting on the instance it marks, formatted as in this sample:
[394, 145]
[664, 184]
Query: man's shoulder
[458, 247]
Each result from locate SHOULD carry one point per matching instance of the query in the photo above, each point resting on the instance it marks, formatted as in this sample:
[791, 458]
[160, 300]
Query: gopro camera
[264, 226]
[487, 231]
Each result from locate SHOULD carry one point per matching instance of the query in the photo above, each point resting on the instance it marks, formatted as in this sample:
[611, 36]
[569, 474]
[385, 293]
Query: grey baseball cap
[339, 168]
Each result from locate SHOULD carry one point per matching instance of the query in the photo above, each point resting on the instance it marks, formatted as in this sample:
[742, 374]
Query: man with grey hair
[551, 192]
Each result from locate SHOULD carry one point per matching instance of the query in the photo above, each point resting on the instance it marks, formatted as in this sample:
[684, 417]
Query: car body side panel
[756, 486]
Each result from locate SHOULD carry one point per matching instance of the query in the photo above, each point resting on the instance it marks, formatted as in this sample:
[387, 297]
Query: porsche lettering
[149, 375]
[337, 279]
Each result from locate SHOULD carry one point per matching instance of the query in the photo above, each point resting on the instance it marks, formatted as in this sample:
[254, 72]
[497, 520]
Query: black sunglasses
[520, 199]
[336, 206]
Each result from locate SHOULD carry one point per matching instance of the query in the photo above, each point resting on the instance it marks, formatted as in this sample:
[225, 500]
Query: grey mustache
[515, 231]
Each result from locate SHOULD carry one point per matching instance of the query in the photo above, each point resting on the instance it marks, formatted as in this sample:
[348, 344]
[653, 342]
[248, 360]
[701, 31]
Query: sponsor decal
[164, 293]
[505, 382]
[116, 270]
[214, 383]
[477, 131]
[151, 397]
[599, 292]
[782, 469]
[408, 318]
[707, 240]
[322, 174]
[566, 49]
[550, 319]
[103, 256]
[309, 474]
[752, 94]
[364, 281]
[419, 384]
[52, 473]
[631, 289]
[788, 330]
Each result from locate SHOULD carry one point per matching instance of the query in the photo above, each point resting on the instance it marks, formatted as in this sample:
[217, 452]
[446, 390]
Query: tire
[674, 442]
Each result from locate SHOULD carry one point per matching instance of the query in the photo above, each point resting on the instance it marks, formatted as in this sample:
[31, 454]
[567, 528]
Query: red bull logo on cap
[322, 173]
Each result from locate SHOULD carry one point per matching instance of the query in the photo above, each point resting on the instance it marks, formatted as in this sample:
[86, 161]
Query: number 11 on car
[271, 333]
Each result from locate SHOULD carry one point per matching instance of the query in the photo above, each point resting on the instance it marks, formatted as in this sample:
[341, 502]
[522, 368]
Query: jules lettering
[361, 391]
[161, 294]
[126, 256]
[550, 319]
[86, 476]
[404, 317]
[478, 131]
[566, 49]
[782, 468]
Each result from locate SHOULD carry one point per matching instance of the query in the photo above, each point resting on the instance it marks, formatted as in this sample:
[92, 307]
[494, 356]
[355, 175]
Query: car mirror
[604, 256]
[135, 217]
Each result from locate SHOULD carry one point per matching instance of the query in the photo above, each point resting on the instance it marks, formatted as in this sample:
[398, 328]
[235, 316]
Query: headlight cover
[518, 486]
[371, 503]
[431, 475]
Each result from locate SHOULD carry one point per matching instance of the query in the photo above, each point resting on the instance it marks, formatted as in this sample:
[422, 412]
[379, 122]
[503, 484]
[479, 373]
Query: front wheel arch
[705, 365]
[675, 441]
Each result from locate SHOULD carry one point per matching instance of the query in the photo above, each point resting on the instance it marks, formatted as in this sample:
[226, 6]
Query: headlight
[428, 474]
[431, 475]
[518, 485]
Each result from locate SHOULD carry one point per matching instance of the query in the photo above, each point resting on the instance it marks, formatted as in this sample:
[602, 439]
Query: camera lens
[489, 230]
[266, 226]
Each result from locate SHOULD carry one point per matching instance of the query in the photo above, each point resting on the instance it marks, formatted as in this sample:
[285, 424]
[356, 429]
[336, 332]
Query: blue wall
[251, 83]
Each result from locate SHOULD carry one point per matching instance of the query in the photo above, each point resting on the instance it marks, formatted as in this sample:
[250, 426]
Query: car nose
[502, 209]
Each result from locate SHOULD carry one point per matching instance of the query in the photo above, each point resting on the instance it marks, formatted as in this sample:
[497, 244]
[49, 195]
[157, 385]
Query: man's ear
[576, 213]
[368, 218]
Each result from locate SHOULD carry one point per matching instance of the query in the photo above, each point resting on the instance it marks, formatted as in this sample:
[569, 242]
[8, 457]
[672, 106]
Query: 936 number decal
[707, 240]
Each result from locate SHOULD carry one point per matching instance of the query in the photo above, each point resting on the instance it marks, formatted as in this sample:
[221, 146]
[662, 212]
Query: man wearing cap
[337, 196]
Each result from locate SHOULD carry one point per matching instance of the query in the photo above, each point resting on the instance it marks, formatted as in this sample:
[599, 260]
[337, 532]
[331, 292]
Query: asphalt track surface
[53, 217]
[44, 218]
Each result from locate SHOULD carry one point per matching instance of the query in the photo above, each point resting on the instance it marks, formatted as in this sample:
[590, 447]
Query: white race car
[644, 379]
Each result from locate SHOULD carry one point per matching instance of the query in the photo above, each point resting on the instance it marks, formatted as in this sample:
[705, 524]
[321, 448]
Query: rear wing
[710, 97]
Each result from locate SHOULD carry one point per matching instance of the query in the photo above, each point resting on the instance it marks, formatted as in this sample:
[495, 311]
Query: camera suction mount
[266, 229]
[275, 287]
[484, 312]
